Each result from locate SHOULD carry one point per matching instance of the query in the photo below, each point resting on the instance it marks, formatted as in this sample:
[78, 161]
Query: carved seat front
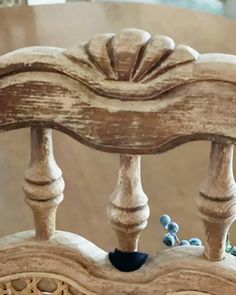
[131, 94]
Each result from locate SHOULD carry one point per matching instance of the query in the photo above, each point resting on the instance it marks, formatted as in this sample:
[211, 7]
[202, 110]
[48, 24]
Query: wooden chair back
[131, 94]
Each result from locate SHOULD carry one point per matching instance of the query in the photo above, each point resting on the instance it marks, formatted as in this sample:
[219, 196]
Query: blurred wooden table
[90, 176]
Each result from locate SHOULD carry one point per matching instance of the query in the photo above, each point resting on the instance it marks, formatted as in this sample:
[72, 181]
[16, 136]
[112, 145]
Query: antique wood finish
[217, 200]
[44, 184]
[149, 92]
[131, 94]
[128, 210]
[85, 267]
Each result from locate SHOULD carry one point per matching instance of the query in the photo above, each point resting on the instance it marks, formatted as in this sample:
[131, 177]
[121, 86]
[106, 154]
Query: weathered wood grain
[128, 210]
[128, 93]
[167, 96]
[43, 184]
[217, 201]
[81, 264]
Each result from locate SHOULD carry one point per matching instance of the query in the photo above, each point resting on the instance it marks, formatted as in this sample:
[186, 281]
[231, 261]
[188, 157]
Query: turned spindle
[43, 184]
[128, 210]
[217, 200]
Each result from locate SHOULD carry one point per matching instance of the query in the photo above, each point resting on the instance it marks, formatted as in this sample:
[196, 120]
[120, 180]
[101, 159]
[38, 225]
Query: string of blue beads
[171, 237]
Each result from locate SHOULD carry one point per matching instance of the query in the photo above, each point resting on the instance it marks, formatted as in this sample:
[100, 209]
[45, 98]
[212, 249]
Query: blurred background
[171, 180]
[218, 7]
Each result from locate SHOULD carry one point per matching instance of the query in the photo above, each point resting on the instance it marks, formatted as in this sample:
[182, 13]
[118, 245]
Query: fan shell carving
[131, 55]
[129, 65]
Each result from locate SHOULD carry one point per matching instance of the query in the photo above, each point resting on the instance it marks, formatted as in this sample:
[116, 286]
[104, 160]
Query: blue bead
[184, 243]
[173, 227]
[195, 242]
[169, 240]
[165, 220]
[233, 251]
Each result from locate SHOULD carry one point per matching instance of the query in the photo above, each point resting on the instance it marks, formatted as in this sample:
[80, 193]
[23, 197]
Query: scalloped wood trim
[76, 259]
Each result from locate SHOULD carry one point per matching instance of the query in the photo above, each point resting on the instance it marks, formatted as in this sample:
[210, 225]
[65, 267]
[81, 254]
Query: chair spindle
[128, 210]
[43, 184]
[217, 200]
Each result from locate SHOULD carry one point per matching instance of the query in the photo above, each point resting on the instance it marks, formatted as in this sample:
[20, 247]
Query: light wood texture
[170, 94]
[217, 201]
[128, 210]
[209, 38]
[128, 92]
[188, 293]
[44, 184]
[67, 255]
[171, 180]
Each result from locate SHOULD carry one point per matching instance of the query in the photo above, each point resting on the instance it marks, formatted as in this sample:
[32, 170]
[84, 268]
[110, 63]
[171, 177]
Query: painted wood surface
[128, 93]
[67, 255]
[162, 97]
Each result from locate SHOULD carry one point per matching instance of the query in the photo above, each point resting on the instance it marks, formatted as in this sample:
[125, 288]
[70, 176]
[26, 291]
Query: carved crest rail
[132, 94]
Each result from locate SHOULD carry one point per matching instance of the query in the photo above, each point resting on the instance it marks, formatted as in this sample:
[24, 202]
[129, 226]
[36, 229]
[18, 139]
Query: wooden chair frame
[132, 94]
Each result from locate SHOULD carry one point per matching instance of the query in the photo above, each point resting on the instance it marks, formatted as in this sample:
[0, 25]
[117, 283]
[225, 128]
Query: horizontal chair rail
[177, 118]
[123, 93]
[86, 267]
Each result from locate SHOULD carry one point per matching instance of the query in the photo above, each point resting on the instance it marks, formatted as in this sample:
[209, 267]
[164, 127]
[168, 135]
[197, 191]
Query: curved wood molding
[84, 266]
[152, 94]
[188, 293]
